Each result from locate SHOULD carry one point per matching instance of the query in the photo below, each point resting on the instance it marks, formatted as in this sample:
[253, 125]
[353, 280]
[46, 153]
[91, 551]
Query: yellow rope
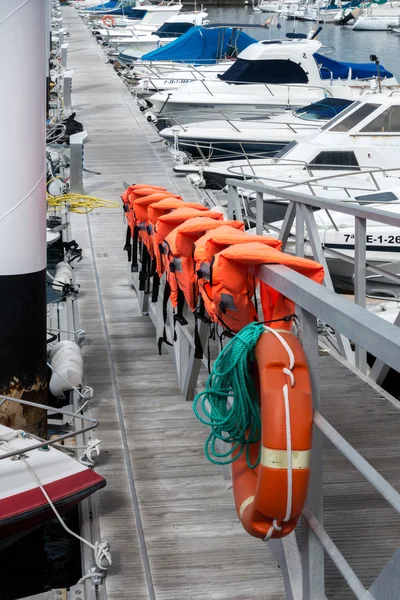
[79, 203]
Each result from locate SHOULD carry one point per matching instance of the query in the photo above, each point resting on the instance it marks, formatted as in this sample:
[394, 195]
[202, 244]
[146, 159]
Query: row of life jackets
[210, 263]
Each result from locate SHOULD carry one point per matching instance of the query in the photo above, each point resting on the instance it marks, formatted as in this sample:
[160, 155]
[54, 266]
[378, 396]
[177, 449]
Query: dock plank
[196, 547]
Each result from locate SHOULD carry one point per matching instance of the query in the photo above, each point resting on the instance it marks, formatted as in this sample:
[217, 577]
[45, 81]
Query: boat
[150, 21]
[272, 76]
[208, 49]
[271, 6]
[147, 80]
[229, 139]
[129, 9]
[378, 16]
[134, 46]
[355, 152]
[23, 506]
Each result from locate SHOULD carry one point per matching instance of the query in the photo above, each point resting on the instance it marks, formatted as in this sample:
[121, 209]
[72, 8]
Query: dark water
[349, 45]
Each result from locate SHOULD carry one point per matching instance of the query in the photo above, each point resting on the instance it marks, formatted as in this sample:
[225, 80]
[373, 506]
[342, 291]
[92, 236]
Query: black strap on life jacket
[135, 242]
[128, 244]
[156, 283]
[143, 274]
[198, 348]
[200, 315]
[178, 316]
[163, 338]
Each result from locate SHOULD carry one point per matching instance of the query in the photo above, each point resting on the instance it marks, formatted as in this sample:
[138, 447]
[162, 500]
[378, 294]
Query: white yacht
[378, 16]
[356, 151]
[137, 42]
[272, 76]
[271, 6]
[223, 139]
[153, 18]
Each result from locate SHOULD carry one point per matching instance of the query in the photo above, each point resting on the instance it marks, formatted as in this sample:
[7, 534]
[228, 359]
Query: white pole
[23, 38]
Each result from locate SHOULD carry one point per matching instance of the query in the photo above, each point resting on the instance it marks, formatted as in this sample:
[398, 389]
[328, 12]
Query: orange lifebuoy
[270, 498]
[109, 21]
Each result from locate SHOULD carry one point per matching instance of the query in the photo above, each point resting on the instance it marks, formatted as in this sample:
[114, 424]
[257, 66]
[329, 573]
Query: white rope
[274, 527]
[101, 549]
[86, 392]
[7, 437]
[285, 391]
[92, 448]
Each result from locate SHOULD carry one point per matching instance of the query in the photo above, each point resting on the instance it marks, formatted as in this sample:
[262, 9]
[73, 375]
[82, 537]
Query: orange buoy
[270, 498]
[109, 21]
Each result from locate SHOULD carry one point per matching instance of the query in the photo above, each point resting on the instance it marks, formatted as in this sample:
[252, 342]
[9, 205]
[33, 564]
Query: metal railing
[303, 571]
[351, 321]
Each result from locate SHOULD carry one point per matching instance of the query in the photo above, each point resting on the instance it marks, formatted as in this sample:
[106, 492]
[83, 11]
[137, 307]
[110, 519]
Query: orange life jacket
[180, 247]
[214, 242]
[139, 209]
[231, 296]
[161, 208]
[134, 191]
[169, 221]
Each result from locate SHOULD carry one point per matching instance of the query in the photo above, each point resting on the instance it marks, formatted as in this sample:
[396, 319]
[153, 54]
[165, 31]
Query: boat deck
[166, 511]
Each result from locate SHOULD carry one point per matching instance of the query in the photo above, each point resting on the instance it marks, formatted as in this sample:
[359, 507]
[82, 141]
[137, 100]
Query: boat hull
[228, 149]
[27, 510]
[375, 23]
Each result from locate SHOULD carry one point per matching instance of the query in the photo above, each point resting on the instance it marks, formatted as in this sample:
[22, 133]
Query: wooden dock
[166, 511]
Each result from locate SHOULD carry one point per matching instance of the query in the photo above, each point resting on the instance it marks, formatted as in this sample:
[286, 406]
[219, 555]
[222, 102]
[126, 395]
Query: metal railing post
[360, 272]
[287, 224]
[299, 230]
[234, 205]
[76, 157]
[67, 91]
[259, 214]
[64, 54]
[312, 551]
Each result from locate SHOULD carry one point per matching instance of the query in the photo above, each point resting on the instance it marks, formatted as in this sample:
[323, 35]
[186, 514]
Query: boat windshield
[386, 122]
[285, 151]
[355, 117]
[322, 110]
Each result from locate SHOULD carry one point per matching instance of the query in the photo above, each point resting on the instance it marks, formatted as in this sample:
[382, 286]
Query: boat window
[355, 117]
[172, 30]
[323, 110]
[264, 71]
[288, 148]
[335, 159]
[387, 122]
[378, 197]
[344, 112]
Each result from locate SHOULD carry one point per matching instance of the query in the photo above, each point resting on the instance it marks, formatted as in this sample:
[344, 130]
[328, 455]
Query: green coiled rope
[240, 423]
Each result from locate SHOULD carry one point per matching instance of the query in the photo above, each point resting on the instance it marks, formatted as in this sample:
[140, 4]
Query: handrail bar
[361, 326]
[356, 210]
[93, 424]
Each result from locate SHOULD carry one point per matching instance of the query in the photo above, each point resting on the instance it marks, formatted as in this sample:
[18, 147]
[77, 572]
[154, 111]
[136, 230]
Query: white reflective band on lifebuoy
[277, 459]
[244, 505]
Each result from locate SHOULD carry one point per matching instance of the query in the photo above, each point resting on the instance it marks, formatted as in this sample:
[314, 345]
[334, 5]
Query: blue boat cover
[105, 6]
[340, 70]
[202, 46]
[119, 8]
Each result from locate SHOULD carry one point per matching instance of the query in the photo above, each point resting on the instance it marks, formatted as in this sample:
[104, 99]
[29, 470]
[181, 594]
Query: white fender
[67, 344]
[71, 374]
